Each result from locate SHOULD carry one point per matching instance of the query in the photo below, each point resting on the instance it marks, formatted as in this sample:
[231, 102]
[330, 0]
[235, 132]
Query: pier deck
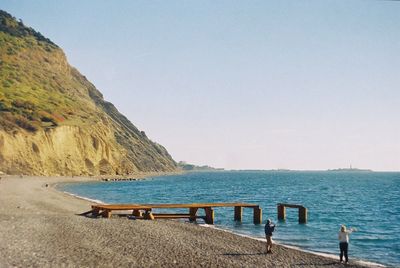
[144, 211]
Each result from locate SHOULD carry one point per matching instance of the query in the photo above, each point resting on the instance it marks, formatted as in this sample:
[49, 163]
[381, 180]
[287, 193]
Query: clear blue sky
[242, 84]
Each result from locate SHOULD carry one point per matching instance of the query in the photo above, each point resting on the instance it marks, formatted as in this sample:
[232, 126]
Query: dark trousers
[344, 246]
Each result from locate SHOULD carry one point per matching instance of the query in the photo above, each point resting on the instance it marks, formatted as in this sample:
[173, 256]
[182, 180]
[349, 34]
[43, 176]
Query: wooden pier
[282, 211]
[144, 211]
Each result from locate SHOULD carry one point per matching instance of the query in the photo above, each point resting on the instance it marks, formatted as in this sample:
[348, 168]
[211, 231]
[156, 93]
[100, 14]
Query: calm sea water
[368, 201]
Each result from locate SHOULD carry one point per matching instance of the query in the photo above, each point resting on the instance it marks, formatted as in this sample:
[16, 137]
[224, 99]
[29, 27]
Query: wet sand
[39, 227]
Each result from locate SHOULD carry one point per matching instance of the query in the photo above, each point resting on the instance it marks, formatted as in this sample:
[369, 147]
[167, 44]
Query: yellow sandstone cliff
[53, 121]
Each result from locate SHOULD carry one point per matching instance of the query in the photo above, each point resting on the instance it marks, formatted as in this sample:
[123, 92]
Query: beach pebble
[52, 235]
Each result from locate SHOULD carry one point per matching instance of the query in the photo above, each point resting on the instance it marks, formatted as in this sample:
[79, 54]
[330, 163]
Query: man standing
[269, 229]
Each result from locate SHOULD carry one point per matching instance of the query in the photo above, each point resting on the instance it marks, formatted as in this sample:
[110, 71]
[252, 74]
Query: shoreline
[322, 254]
[107, 178]
[60, 237]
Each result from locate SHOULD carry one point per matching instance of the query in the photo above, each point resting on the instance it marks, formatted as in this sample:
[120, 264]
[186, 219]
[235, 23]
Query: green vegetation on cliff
[38, 89]
[40, 92]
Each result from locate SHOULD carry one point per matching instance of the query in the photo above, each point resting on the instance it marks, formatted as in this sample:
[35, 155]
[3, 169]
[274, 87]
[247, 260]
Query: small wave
[85, 198]
[323, 254]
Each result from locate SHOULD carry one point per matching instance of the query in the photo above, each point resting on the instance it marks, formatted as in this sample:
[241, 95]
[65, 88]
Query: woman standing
[344, 242]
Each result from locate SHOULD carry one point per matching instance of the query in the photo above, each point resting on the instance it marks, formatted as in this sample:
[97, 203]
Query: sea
[367, 201]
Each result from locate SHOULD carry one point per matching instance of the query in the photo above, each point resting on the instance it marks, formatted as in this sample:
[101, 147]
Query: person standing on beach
[269, 229]
[344, 242]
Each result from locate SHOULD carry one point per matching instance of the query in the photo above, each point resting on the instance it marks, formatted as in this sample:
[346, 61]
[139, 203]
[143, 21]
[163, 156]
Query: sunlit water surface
[368, 201]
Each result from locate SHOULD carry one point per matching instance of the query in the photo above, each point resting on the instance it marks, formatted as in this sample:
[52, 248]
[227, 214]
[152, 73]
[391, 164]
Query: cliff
[53, 121]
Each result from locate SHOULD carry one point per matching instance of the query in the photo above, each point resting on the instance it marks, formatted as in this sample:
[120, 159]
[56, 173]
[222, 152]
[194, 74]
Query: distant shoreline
[351, 170]
[322, 170]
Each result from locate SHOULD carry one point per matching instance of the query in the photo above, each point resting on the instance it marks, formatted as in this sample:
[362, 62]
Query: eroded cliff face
[65, 150]
[70, 150]
[53, 121]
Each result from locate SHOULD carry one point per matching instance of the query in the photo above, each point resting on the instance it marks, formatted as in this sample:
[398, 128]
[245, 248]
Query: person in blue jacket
[269, 229]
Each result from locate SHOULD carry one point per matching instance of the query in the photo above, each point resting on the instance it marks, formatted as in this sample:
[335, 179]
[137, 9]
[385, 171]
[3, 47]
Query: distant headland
[190, 167]
[351, 169]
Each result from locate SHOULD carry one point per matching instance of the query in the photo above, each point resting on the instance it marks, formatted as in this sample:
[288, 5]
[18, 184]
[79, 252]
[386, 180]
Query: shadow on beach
[243, 254]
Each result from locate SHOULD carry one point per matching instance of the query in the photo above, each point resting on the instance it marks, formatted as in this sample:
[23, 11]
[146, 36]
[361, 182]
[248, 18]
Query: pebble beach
[40, 227]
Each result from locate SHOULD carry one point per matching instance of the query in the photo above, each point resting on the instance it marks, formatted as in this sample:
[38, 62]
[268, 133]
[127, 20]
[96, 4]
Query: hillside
[53, 121]
[190, 167]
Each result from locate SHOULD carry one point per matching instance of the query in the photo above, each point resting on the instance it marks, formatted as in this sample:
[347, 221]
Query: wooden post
[96, 212]
[302, 215]
[257, 215]
[281, 212]
[148, 215]
[136, 213]
[209, 215]
[106, 213]
[192, 212]
[238, 213]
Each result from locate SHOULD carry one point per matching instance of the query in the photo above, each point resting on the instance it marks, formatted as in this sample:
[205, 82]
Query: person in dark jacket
[269, 229]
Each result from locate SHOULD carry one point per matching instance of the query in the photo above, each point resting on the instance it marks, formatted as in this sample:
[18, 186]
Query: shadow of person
[242, 254]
